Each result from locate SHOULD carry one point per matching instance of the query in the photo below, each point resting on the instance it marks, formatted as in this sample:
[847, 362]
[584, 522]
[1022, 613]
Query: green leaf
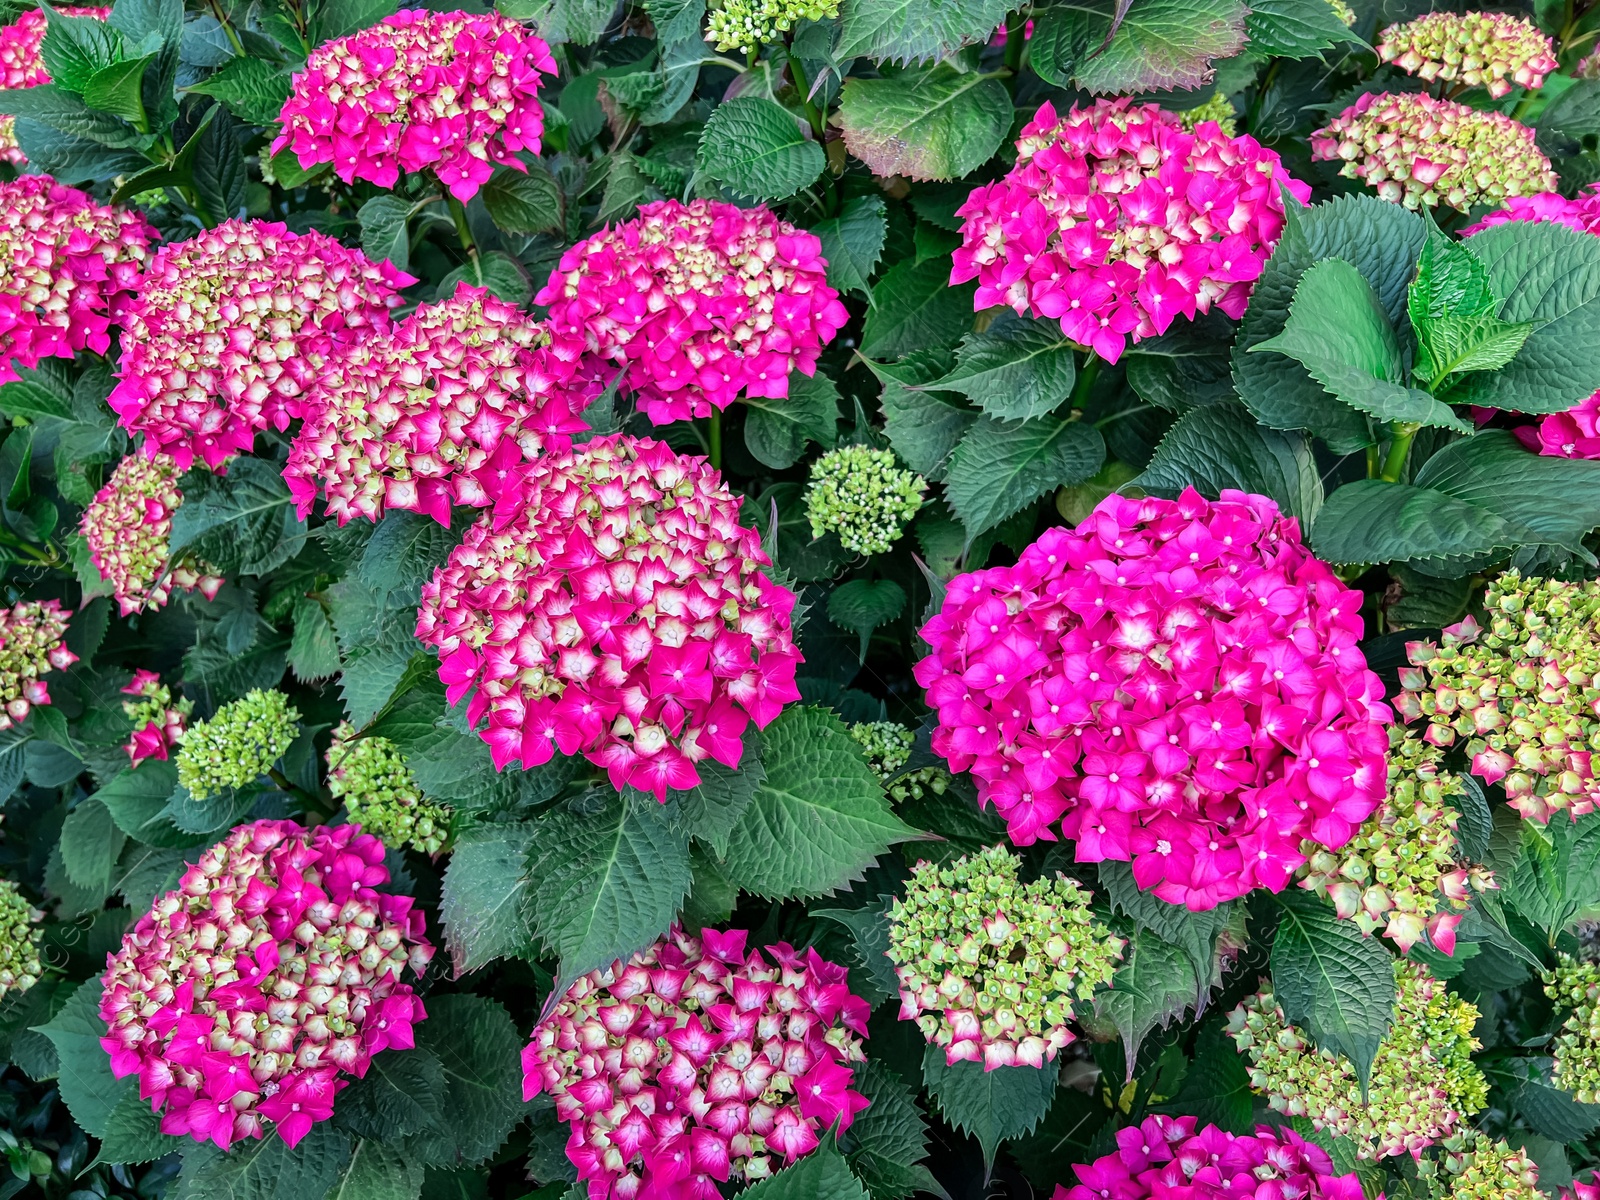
[914, 307]
[776, 431]
[915, 30]
[503, 275]
[820, 1175]
[819, 818]
[116, 89]
[90, 845]
[132, 1134]
[1219, 447]
[1105, 46]
[608, 883]
[90, 1090]
[994, 1105]
[339, 18]
[853, 241]
[44, 391]
[1332, 981]
[314, 652]
[862, 605]
[710, 810]
[1014, 370]
[1154, 985]
[478, 1049]
[1546, 1108]
[402, 1093]
[676, 20]
[939, 123]
[385, 233]
[242, 522]
[1556, 873]
[1371, 521]
[220, 178]
[485, 900]
[869, 927]
[378, 1172]
[75, 48]
[1195, 933]
[1216, 1087]
[889, 1139]
[66, 113]
[755, 147]
[252, 89]
[265, 1169]
[1294, 28]
[403, 552]
[525, 201]
[1452, 311]
[1000, 467]
[923, 427]
[447, 761]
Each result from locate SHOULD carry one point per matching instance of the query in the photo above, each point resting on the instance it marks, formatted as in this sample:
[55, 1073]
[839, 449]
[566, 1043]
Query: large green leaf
[76, 48]
[1154, 985]
[90, 1090]
[914, 307]
[1195, 933]
[1014, 370]
[251, 88]
[90, 845]
[240, 522]
[938, 123]
[861, 605]
[820, 1175]
[889, 1139]
[478, 1048]
[1294, 28]
[853, 241]
[1453, 307]
[265, 1169]
[755, 146]
[994, 1105]
[527, 201]
[1219, 447]
[710, 810]
[377, 1172]
[1555, 874]
[1000, 467]
[915, 30]
[922, 426]
[776, 431]
[484, 903]
[132, 1134]
[1104, 46]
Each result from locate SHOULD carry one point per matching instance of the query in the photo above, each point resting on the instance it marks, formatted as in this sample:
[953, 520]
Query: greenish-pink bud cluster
[1575, 986]
[371, 776]
[20, 966]
[1497, 51]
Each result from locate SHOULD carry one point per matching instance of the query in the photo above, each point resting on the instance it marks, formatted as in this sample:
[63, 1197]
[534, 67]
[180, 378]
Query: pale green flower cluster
[1343, 11]
[381, 795]
[1477, 1167]
[886, 745]
[747, 25]
[1217, 109]
[988, 965]
[1424, 1084]
[20, 967]
[861, 495]
[238, 745]
[913, 785]
[1575, 986]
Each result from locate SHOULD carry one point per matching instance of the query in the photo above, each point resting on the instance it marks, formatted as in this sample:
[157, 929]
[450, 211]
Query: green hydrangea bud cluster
[1496, 51]
[1217, 109]
[1575, 985]
[20, 967]
[746, 25]
[1476, 1167]
[914, 785]
[1423, 1086]
[1520, 693]
[238, 745]
[886, 745]
[989, 966]
[1343, 11]
[1402, 872]
[860, 494]
[381, 794]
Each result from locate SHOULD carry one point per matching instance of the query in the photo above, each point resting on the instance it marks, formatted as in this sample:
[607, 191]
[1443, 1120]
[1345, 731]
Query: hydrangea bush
[921, 597]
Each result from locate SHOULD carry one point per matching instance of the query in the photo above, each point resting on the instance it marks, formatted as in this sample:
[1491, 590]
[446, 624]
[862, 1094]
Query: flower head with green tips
[1575, 986]
[860, 494]
[238, 745]
[747, 25]
[380, 793]
[1423, 1084]
[988, 965]
[20, 967]
[1477, 1167]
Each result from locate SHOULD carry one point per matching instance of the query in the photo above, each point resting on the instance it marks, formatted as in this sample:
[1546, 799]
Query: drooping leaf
[938, 123]
[1000, 467]
[994, 1105]
[861, 605]
[1154, 984]
[755, 146]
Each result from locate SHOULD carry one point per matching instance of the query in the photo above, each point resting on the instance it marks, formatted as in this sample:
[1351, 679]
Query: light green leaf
[486, 895]
[1000, 467]
[755, 147]
[116, 89]
[76, 48]
[992, 1106]
[940, 123]
[1219, 447]
[253, 89]
[820, 1175]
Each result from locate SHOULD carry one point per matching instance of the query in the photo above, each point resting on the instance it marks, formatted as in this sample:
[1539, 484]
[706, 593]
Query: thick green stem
[1016, 39]
[458, 214]
[714, 438]
[803, 86]
[1087, 374]
[1394, 463]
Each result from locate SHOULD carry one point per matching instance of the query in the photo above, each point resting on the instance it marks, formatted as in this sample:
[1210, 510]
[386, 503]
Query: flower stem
[714, 438]
[458, 213]
[1016, 40]
[1087, 374]
[1399, 450]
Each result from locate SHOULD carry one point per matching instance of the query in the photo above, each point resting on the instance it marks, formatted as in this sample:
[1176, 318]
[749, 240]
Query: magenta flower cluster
[22, 64]
[436, 414]
[612, 605]
[1115, 221]
[240, 997]
[1179, 683]
[696, 1063]
[696, 303]
[454, 92]
[1166, 1158]
[68, 269]
[230, 329]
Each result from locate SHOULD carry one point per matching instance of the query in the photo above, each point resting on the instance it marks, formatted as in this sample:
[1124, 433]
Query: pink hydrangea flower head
[613, 606]
[128, 526]
[68, 268]
[1418, 151]
[1582, 1189]
[438, 413]
[696, 1063]
[230, 329]
[159, 722]
[274, 969]
[453, 92]
[1165, 1158]
[1175, 683]
[1497, 51]
[22, 64]
[31, 645]
[697, 303]
[1115, 220]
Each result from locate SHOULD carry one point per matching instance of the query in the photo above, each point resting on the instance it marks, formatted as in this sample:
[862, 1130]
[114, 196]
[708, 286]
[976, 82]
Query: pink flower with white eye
[439, 413]
[68, 269]
[229, 330]
[22, 64]
[452, 92]
[613, 606]
[1194, 675]
[31, 634]
[274, 968]
[695, 1063]
[697, 303]
[1115, 221]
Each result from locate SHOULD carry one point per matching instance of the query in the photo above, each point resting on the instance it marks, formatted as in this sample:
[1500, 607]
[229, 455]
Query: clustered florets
[1520, 695]
[159, 722]
[30, 645]
[275, 966]
[1419, 151]
[128, 526]
[238, 745]
[696, 1063]
[1178, 682]
[1218, 109]
[1164, 1158]
[1474, 1167]
[913, 785]
[68, 270]
[1423, 1086]
[862, 495]
[747, 25]
[989, 966]
[1575, 986]
[1477, 49]
[454, 92]
[886, 745]
[20, 966]
[230, 328]
[436, 414]
[613, 606]
[697, 303]
[1402, 872]
[22, 64]
[380, 793]
[1115, 221]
